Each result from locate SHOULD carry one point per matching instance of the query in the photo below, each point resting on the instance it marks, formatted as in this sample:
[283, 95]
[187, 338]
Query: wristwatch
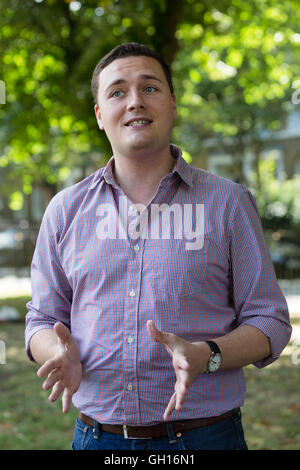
[215, 358]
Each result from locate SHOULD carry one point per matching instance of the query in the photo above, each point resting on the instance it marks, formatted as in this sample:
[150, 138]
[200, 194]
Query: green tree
[49, 49]
[234, 65]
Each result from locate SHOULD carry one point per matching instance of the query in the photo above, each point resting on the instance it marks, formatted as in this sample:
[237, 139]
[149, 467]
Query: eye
[116, 94]
[150, 89]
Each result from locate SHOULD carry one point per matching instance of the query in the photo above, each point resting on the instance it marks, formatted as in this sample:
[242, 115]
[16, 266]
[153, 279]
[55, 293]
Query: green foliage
[235, 69]
[49, 51]
[278, 201]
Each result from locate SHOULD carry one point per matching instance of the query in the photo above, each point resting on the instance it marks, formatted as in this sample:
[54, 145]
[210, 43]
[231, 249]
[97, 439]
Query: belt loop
[125, 432]
[237, 415]
[171, 435]
[97, 430]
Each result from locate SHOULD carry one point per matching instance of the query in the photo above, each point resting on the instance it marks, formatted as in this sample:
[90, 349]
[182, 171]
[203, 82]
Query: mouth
[138, 123]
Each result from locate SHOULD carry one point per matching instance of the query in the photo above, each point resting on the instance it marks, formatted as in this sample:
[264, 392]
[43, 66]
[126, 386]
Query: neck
[139, 177]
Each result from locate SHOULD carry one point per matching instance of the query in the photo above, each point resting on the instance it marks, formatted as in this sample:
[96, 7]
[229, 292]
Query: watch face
[215, 362]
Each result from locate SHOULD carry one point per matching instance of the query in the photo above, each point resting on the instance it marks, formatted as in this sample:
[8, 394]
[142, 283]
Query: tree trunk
[166, 18]
[257, 150]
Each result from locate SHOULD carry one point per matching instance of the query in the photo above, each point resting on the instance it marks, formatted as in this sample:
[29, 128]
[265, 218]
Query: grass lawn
[271, 414]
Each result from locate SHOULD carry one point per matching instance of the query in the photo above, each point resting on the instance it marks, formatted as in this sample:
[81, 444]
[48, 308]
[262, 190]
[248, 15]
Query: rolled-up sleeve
[257, 297]
[51, 292]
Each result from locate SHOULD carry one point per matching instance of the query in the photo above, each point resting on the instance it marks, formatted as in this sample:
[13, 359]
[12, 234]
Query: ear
[98, 117]
[175, 114]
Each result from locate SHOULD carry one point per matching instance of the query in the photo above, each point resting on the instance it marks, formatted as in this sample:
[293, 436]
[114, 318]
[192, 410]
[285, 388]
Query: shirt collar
[181, 167]
[105, 173]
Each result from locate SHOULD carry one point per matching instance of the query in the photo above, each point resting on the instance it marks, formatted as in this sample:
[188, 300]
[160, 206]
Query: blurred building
[283, 147]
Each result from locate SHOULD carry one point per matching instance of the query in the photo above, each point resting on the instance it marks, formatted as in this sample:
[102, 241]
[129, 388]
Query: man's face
[135, 106]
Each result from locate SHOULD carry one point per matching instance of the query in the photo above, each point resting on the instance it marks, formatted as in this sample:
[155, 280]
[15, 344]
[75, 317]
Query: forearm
[43, 345]
[242, 346]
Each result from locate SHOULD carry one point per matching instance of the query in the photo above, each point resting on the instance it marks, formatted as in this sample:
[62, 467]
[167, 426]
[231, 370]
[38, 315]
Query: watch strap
[214, 347]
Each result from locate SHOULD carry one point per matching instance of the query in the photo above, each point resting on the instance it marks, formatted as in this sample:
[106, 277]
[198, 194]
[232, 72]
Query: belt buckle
[125, 434]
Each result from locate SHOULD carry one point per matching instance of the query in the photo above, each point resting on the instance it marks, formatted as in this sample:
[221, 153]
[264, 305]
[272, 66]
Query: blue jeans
[224, 435]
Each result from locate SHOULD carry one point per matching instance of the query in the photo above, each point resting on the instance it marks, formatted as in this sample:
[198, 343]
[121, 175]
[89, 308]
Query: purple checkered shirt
[105, 288]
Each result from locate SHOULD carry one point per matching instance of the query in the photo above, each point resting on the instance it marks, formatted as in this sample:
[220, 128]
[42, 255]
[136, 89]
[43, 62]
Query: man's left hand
[189, 360]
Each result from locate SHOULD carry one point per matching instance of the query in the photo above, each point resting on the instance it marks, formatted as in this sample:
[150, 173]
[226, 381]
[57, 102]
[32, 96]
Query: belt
[157, 430]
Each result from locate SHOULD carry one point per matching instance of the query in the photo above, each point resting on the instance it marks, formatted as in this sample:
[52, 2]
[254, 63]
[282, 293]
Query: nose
[135, 101]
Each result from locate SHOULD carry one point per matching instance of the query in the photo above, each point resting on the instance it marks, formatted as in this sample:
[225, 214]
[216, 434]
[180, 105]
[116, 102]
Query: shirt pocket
[195, 272]
[180, 272]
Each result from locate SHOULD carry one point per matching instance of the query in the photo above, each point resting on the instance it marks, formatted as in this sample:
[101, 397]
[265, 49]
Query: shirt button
[129, 387]
[129, 339]
[131, 210]
[132, 293]
[136, 248]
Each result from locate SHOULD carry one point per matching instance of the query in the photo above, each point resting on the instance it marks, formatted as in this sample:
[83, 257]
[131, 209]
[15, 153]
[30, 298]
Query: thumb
[154, 332]
[62, 332]
[159, 336]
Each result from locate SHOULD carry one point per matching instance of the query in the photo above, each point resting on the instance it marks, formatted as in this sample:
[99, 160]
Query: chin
[140, 145]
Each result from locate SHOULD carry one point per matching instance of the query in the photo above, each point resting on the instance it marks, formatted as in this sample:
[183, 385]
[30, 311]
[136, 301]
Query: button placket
[131, 403]
[131, 305]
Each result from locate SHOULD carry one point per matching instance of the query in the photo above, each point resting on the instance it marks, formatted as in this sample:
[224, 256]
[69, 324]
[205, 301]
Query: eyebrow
[143, 77]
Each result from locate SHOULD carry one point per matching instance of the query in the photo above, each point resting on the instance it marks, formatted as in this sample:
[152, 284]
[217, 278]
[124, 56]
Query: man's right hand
[64, 369]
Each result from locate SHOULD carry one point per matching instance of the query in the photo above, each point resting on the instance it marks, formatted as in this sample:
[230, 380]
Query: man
[144, 331]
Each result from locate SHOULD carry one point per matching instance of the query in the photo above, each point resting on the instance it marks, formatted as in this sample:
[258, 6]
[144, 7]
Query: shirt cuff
[278, 333]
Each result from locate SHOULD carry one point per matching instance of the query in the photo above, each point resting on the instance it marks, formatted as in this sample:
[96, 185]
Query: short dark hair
[126, 50]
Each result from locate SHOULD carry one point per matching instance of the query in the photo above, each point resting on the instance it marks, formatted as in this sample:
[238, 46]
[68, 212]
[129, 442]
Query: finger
[170, 408]
[53, 377]
[181, 392]
[66, 400]
[56, 391]
[62, 332]
[154, 332]
[159, 336]
[48, 367]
